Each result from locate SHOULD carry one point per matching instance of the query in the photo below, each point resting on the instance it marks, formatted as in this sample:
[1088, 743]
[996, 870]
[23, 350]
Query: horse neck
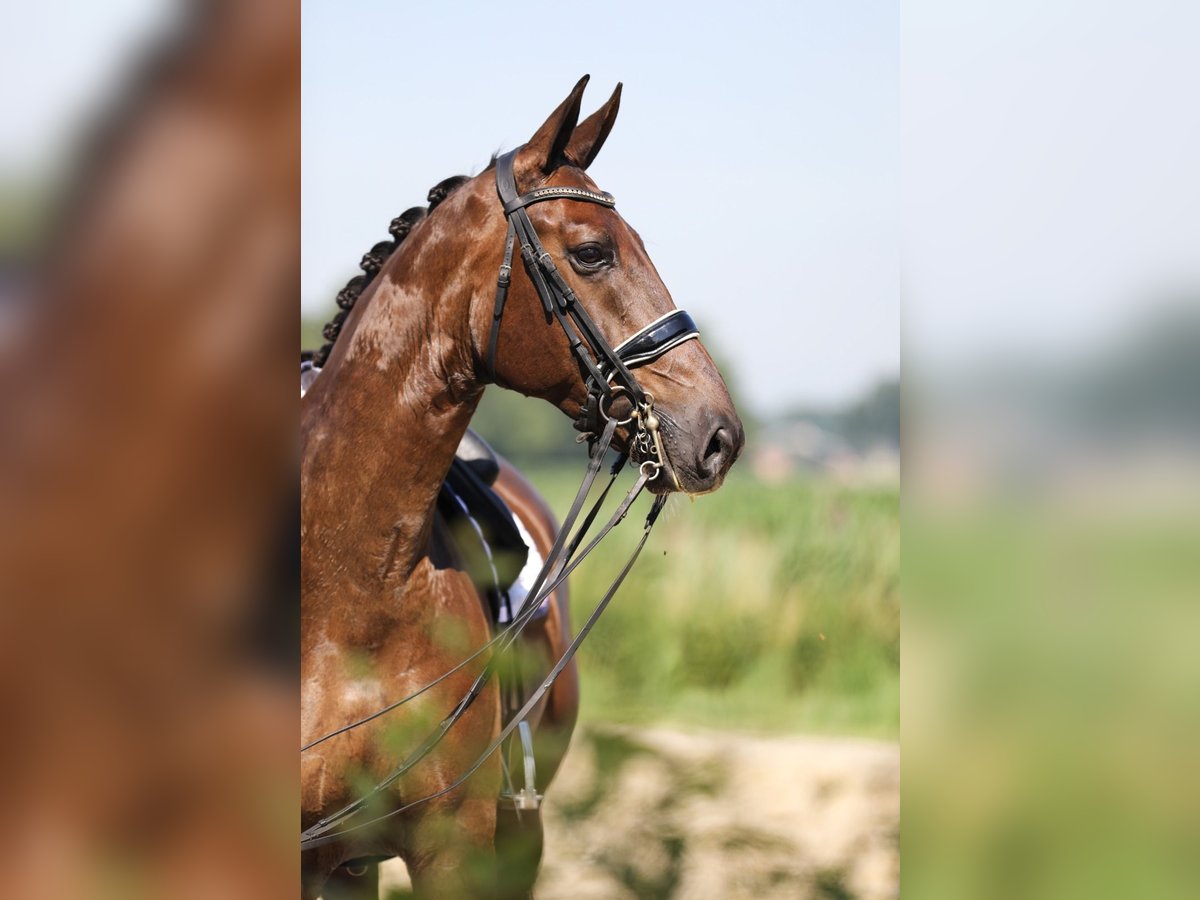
[381, 424]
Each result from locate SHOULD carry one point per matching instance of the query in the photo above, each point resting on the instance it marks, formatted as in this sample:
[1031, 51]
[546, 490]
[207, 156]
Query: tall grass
[772, 607]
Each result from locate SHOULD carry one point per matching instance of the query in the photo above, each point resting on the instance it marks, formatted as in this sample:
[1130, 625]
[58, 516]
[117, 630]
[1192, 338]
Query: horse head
[604, 263]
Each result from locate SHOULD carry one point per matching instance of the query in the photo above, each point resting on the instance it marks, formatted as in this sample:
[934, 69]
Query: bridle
[606, 372]
[605, 368]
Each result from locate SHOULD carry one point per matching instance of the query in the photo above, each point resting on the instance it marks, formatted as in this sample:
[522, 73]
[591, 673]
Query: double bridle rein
[606, 371]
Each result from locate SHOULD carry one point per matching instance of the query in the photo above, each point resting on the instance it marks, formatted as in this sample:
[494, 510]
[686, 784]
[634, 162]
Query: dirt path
[665, 813]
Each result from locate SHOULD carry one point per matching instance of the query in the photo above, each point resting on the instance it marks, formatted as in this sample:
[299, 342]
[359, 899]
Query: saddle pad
[493, 550]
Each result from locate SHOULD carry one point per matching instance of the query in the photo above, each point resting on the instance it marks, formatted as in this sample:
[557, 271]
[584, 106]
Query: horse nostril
[714, 444]
[717, 452]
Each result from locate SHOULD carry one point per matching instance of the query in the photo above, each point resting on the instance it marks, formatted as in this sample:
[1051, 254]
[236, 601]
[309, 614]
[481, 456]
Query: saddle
[488, 537]
[494, 549]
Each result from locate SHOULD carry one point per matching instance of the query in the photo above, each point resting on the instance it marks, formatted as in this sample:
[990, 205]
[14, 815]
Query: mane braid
[373, 261]
[444, 189]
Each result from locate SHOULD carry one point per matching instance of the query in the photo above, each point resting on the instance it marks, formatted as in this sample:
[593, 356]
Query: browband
[560, 193]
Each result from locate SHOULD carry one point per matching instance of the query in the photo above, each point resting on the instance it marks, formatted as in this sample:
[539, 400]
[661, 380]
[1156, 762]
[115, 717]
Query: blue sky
[752, 137]
[1032, 162]
[1049, 190]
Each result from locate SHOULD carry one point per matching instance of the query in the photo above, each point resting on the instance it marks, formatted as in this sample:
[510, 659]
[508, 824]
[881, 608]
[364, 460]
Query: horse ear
[544, 151]
[591, 133]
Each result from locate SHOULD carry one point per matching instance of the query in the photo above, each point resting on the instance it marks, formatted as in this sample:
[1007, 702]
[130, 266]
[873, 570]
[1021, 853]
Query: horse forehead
[564, 212]
[570, 176]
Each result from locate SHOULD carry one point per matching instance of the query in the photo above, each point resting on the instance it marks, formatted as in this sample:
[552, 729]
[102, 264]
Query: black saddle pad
[479, 455]
[491, 545]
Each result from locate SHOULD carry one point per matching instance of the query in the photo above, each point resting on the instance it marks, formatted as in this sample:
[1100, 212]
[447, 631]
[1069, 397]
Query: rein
[607, 375]
[560, 562]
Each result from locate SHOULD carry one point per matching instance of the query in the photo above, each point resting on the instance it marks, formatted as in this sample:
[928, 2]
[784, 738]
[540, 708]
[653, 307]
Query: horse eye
[590, 255]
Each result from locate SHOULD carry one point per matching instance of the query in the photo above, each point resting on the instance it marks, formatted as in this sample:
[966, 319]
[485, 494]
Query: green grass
[768, 607]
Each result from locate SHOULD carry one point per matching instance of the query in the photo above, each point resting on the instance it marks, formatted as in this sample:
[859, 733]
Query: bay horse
[385, 606]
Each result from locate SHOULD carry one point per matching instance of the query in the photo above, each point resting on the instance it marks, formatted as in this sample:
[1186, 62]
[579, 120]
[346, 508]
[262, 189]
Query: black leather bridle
[605, 368]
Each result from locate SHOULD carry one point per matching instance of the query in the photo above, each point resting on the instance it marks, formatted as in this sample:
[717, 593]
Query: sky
[756, 152]
[1049, 193]
[813, 180]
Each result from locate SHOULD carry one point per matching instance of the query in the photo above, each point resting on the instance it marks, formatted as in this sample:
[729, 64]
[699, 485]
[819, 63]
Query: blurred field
[653, 812]
[1052, 557]
[1051, 720]
[649, 812]
[764, 607]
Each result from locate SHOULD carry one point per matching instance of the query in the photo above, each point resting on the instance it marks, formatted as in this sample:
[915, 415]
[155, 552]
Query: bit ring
[613, 393]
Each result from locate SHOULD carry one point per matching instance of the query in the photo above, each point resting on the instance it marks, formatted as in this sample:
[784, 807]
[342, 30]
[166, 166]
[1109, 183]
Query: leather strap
[503, 280]
[323, 832]
[559, 193]
[589, 478]
[560, 563]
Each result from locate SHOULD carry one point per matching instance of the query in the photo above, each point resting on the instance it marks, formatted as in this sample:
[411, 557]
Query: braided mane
[374, 259]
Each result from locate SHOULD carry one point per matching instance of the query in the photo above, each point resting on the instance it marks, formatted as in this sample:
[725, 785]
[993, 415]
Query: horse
[386, 607]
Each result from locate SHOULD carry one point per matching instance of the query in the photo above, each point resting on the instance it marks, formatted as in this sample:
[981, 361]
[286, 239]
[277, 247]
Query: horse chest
[391, 647]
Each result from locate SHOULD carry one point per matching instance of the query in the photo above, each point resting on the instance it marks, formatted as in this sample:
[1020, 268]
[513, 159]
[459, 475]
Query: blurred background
[149, 257]
[1052, 428]
[1011, 190]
